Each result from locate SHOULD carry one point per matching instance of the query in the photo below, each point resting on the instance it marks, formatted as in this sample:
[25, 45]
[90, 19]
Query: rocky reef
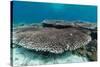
[54, 41]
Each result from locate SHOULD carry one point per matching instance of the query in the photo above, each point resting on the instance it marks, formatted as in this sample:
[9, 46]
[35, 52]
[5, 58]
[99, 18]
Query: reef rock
[65, 24]
[92, 50]
[57, 23]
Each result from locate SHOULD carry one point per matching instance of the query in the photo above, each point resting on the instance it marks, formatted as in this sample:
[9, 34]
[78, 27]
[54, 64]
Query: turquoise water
[35, 12]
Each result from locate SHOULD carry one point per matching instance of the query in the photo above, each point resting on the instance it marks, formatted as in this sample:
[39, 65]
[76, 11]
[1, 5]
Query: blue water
[35, 12]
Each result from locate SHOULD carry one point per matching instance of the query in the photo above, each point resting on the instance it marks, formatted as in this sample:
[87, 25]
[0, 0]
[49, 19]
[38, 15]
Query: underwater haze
[35, 12]
[28, 40]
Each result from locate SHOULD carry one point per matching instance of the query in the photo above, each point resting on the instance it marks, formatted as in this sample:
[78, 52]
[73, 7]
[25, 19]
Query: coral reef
[52, 40]
[65, 24]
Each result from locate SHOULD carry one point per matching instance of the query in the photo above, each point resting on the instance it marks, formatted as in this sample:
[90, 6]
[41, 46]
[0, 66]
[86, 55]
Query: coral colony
[57, 38]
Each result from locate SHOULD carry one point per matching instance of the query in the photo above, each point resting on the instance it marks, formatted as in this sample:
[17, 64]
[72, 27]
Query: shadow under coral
[25, 57]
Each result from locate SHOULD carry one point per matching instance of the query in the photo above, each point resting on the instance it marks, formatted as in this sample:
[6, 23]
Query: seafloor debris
[52, 39]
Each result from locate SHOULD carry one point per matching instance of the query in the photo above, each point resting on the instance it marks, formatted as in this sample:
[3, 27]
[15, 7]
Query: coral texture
[52, 39]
